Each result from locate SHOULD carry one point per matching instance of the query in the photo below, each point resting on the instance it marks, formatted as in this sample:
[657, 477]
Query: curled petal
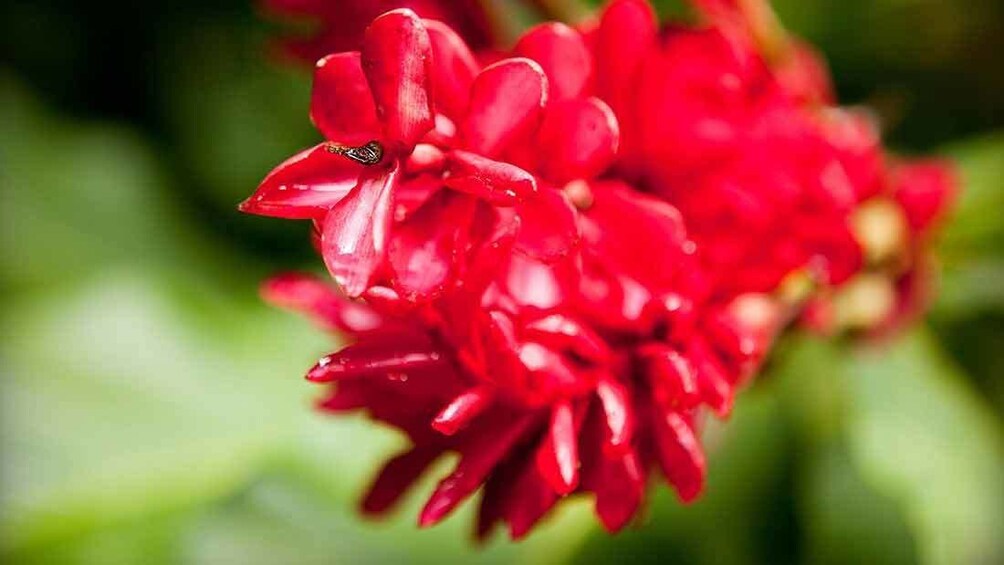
[341, 105]
[672, 377]
[562, 54]
[579, 139]
[453, 69]
[355, 232]
[396, 58]
[507, 102]
[500, 183]
[305, 186]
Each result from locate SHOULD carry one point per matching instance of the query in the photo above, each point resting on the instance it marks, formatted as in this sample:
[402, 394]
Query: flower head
[555, 264]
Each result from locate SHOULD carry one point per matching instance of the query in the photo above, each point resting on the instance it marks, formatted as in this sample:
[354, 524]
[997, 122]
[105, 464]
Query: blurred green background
[152, 410]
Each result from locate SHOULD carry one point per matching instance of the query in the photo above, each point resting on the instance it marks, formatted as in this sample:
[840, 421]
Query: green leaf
[921, 437]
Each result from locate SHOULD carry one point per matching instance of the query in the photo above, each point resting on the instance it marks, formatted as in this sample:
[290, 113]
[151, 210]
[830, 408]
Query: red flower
[338, 25]
[403, 189]
[556, 287]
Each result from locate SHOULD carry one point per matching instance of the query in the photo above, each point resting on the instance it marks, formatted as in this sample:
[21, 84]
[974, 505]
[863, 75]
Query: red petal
[680, 455]
[477, 462]
[629, 226]
[396, 58]
[560, 332]
[619, 484]
[537, 284]
[578, 139]
[341, 105]
[363, 359]
[396, 477]
[671, 376]
[627, 30]
[558, 454]
[548, 226]
[453, 69]
[425, 248]
[562, 54]
[924, 190]
[304, 186]
[616, 403]
[315, 298]
[712, 381]
[530, 499]
[355, 232]
[500, 183]
[507, 101]
[462, 410]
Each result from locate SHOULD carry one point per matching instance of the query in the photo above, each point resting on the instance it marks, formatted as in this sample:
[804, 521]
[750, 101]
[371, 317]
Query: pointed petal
[562, 54]
[558, 454]
[578, 139]
[476, 463]
[425, 248]
[507, 102]
[453, 69]
[549, 227]
[531, 499]
[341, 105]
[670, 375]
[561, 332]
[396, 58]
[615, 401]
[355, 232]
[396, 477]
[311, 296]
[679, 454]
[619, 484]
[304, 186]
[500, 183]
[713, 382]
[462, 410]
[363, 359]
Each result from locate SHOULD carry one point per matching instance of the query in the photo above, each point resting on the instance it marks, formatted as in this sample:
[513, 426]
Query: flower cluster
[556, 263]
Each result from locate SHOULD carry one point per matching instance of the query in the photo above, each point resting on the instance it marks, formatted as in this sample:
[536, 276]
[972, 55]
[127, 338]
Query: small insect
[368, 154]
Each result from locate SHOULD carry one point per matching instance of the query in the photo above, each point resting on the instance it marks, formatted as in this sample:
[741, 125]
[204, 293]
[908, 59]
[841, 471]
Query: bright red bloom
[338, 25]
[403, 188]
[553, 265]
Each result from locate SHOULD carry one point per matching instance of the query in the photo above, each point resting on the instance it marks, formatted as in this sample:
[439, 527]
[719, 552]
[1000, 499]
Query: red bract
[555, 264]
[338, 25]
[420, 159]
